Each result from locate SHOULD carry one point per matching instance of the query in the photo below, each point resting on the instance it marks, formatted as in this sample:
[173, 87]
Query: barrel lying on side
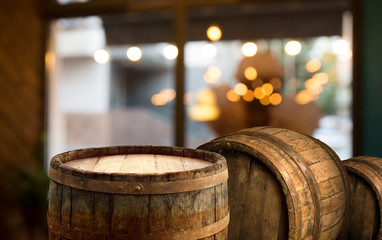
[138, 192]
[282, 185]
[364, 219]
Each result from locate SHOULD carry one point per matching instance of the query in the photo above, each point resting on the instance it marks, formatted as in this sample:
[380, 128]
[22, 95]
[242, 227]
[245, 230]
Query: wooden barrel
[138, 192]
[364, 219]
[282, 185]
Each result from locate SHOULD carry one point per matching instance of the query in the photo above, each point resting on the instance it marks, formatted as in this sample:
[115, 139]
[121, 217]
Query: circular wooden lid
[139, 163]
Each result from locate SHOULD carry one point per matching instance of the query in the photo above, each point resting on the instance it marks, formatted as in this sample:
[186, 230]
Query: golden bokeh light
[322, 77]
[276, 83]
[267, 89]
[50, 60]
[169, 94]
[240, 89]
[101, 56]
[170, 52]
[249, 49]
[265, 100]
[258, 93]
[275, 99]
[214, 33]
[313, 65]
[313, 85]
[158, 99]
[163, 97]
[232, 96]
[134, 54]
[205, 109]
[212, 75]
[250, 73]
[293, 48]
[303, 97]
[249, 96]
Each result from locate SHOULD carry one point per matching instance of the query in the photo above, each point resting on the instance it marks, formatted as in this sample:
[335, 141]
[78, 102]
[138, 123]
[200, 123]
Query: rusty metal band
[232, 139]
[195, 233]
[307, 173]
[138, 188]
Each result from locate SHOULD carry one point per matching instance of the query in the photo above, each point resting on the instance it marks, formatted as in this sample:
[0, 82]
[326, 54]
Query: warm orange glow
[163, 97]
[158, 100]
[232, 96]
[249, 96]
[214, 33]
[50, 60]
[265, 100]
[169, 94]
[205, 109]
[313, 65]
[322, 77]
[212, 75]
[267, 89]
[303, 97]
[275, 98]
[250, 73]
[258, 93]
[276, 83]
[240, 89]
[313, 85]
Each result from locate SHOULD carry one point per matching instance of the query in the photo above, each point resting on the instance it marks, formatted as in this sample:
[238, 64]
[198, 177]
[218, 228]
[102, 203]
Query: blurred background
[88, 73]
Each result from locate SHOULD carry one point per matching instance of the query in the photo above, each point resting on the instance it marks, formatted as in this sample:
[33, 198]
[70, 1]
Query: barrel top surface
[138, 169]
[138, 163]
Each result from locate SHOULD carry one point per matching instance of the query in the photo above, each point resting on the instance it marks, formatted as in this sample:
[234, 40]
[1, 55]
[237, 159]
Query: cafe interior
[91, 73]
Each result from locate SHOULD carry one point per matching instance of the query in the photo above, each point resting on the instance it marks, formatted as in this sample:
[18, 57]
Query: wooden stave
[213, 146]
[365, 168]
[221, 208]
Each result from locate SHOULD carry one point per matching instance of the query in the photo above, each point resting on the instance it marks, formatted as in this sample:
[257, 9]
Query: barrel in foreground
[138, 192]
[282, 185]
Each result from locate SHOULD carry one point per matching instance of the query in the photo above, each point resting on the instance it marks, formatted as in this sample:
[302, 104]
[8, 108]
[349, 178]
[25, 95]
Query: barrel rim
[59, 160]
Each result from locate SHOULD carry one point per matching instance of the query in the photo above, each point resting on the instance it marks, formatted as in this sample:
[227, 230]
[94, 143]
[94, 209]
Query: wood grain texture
[364, 219]
[139, 163]
[83, 214]
[282, 185]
